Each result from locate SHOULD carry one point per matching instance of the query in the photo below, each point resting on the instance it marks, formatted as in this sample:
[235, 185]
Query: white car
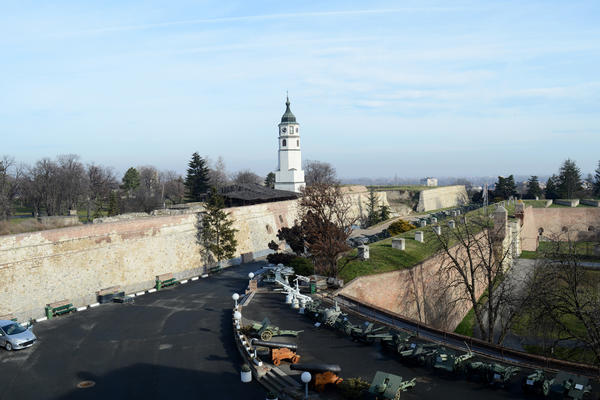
[14, 336]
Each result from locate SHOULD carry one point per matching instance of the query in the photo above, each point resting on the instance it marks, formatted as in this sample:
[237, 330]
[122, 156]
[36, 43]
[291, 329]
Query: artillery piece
[396, 341]
[323, 374]
[329, 316]
[570, 386]
[450, 361]
[389, 386]
[313, 310]
[419, 353]
[265, 331]
[367, 333]
[279, 351]
[537, 383]
[493, 374]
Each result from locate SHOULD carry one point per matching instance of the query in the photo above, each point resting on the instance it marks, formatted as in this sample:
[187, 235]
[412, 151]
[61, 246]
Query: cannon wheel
[295, 359]
[277, 362]
[266, 335]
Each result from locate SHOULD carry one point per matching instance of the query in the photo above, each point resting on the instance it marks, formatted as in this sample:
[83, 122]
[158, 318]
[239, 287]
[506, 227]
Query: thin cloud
[262, 18]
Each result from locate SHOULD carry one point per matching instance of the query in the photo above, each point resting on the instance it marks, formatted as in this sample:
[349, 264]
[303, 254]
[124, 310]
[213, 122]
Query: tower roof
[288, 116]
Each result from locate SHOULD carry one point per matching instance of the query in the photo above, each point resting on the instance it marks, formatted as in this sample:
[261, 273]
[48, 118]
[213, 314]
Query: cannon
[279, 351]
[570, 386]
[328, 316]
[265, 331]
[389, 386]
[493, 374]
[451, 362]
[537, 383]
[323, 374]
[418, 353]
[313, 310]
[396, 341]
[367, 333]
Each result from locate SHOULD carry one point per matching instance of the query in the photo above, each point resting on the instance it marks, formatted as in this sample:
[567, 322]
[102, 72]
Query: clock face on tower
[283, 129]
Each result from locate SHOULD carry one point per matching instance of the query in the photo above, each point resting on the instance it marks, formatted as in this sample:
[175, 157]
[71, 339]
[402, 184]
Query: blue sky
[464, 88]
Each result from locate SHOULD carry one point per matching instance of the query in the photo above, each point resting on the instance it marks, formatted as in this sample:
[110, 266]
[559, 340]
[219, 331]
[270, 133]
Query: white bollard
[419, 237]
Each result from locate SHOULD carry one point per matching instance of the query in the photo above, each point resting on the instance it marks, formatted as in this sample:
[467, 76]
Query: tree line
[568, 183]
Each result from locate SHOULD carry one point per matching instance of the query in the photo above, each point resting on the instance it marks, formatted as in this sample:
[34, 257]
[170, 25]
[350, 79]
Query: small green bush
[353, 388]
[399, 227]
[302, 266]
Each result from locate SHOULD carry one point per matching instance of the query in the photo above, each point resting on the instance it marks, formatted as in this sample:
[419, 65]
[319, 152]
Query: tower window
[298, 143]
[296, 129]
[283, 142]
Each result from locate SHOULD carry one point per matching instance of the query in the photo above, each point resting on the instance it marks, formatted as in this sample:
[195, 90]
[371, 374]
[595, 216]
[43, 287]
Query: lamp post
[305, 377]
[251, 275]
[235, 298]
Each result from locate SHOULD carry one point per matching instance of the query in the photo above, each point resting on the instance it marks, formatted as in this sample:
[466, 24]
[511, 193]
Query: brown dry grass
[27, 225]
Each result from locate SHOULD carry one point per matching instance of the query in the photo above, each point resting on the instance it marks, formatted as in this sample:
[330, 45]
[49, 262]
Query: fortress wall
[359, 199]
[442, 197]
[73, 263]
[577, 220]
[418, 293]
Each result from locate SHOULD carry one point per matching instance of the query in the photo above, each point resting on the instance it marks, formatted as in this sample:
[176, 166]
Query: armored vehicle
[494, 374]
[569, 386]
[419, 354]
[389, 386]
[451, 362]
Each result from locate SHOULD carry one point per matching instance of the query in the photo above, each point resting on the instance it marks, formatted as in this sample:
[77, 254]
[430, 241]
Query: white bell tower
[289, 175]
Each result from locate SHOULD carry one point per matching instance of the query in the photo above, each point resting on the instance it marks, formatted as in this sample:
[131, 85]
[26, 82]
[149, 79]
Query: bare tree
[326, 218]
[100, 182]
[173, 188]
[247, 177]
[70, 178]
[475, 260]
[10, 182]
[319, 172]
[566, 305]
[217, 174]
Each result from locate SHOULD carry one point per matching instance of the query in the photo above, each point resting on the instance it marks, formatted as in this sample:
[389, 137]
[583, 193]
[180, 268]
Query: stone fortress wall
[74, 262]
[580, 222]
[442, 197]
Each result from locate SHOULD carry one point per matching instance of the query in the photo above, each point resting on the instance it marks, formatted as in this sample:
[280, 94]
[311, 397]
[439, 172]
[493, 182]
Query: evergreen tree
[113, 204]
[384, 213]
[270, 180]
[533, 188]
[551, 191]
[131, 180]
[196, 181]
[569, 180]
[596, 185]
[372, 215]
[505, 187]
[216, 232]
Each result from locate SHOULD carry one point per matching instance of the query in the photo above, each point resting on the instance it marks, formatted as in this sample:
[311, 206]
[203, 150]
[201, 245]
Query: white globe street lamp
[305, 377]
[251, 275]
[235, 298]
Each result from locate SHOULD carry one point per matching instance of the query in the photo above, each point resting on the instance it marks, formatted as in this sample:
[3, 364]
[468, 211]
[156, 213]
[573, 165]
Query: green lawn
[384, 259]
[535, 203]
[563, 353]
[467, 325]
[583, 249]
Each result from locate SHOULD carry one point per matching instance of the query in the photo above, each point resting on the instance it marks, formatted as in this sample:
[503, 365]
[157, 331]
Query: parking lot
[175, 343]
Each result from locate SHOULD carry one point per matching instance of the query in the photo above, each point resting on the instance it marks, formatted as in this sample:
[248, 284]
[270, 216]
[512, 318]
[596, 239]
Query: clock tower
[289, 175]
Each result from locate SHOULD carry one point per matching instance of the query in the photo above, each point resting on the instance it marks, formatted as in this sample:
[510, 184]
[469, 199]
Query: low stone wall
[580, 223]
[442, 197]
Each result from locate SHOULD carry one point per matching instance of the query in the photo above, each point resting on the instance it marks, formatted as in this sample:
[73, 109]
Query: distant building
[289, 175]
[429, 181]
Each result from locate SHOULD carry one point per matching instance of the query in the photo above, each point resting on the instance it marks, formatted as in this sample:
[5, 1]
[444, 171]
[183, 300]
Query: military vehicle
[329, 315]
[570, 386]
[265, 331]
[396, 341]
[492, 373]
[537, 383]
[313, 310]
[419, 353]
[450, 361]
[389, 386]
[367, 333]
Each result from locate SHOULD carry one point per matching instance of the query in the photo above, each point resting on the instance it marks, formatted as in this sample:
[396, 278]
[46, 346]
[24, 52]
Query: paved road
[177, 343]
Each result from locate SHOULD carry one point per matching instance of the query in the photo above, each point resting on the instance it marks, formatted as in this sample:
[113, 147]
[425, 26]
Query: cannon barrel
[273, 345]
[316, 367]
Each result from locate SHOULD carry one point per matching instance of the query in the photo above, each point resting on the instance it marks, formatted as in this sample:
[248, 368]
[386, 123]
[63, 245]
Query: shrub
[353, 388]
[280, 258]
[399, 227]
[302, 266]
